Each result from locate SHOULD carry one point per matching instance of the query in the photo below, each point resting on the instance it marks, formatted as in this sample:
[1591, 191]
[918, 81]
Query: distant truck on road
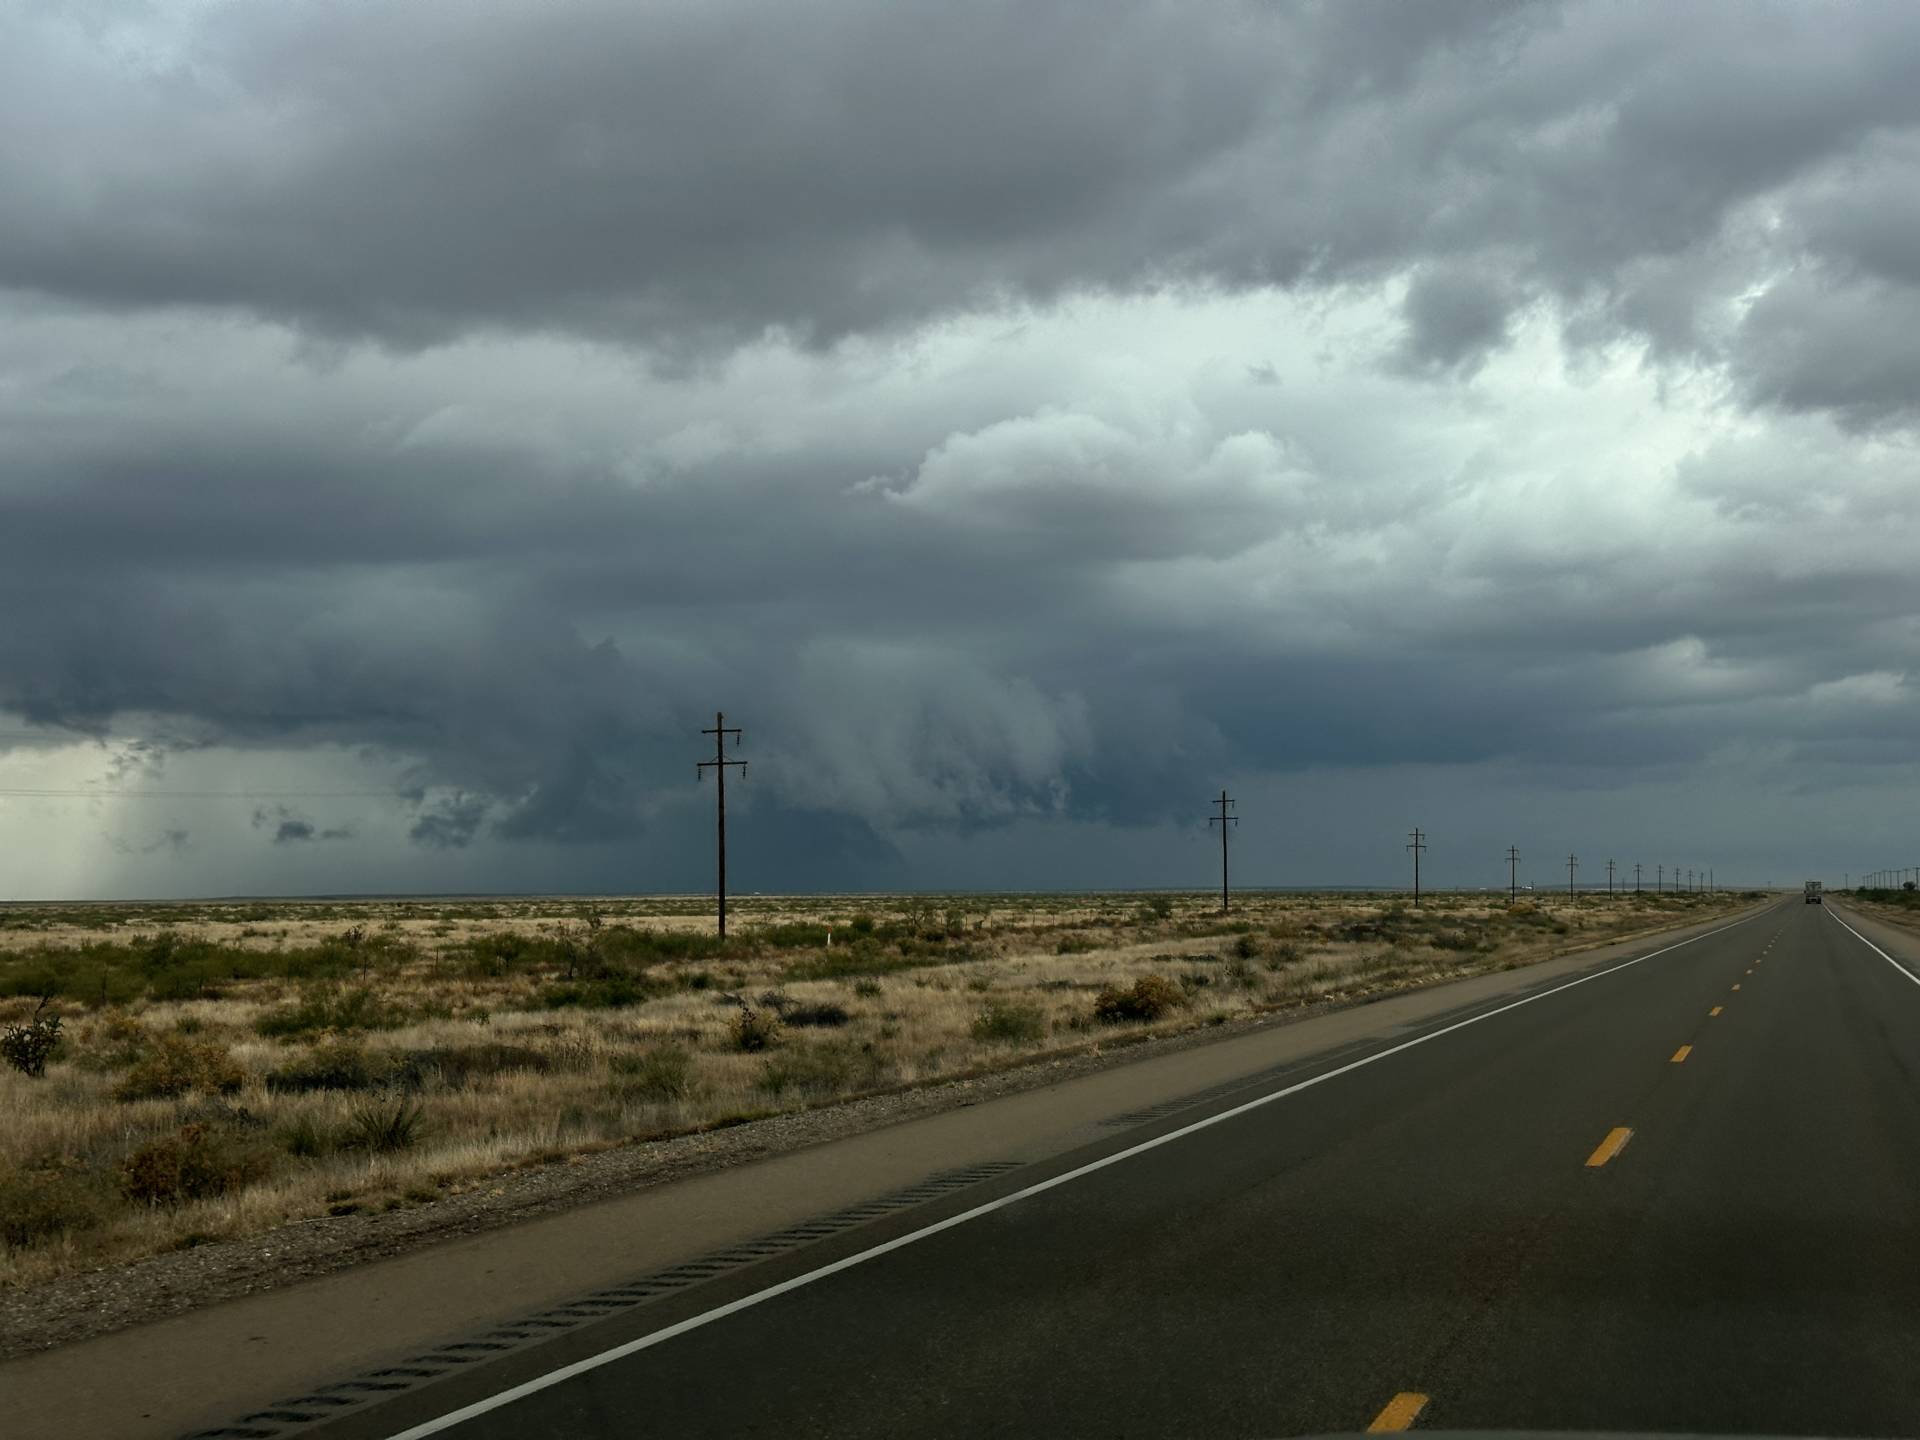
[1813, 893]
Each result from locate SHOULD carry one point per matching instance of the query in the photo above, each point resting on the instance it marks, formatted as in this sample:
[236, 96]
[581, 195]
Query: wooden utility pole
[1416, 844]
[1659, 879]
[1636, 877]
[1571, 862]
[1226, 821]
[1609, 879]
[1513, 874]
[719, 765]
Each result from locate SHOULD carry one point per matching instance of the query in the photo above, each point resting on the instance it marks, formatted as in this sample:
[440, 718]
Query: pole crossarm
[1226, 819]
[720, 764]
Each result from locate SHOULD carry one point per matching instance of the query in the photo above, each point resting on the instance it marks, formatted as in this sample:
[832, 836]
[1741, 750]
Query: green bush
[1005, 1020]
[168, 966]
[611, 991]
[73, 974]
[661, 1075]
[43, 1202]
[174, 1064]
[337, 1065]
[338, 1010]
[192, 1164]
[493, 955]
[603, 951]
[1148, 998]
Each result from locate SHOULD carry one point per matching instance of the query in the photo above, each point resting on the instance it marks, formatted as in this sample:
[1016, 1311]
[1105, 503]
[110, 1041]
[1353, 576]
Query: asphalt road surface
[1682, 1194]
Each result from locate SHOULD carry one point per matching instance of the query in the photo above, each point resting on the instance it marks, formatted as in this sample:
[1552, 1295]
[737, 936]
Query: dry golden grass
[496, 1069]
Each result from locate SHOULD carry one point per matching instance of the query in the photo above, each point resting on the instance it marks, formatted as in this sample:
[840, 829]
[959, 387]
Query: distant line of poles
[1692, 881]
[1900, 877]
[1696, 881]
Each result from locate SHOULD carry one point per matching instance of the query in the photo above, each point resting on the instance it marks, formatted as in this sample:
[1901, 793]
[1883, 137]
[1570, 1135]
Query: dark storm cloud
[466, 524]
[450, 825]
[290, 828]
[1454, 318]
[941, 649]
[685, 175]
[1816, 343]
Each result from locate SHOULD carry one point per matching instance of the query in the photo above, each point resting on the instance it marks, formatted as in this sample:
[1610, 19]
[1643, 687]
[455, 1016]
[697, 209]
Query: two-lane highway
[1682, 1193]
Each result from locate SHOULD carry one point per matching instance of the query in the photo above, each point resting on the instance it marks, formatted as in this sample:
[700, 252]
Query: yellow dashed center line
[1615, 1142]
[1715, 1011]
[1401, 1411]
[1736, 986]
[1681, 1054]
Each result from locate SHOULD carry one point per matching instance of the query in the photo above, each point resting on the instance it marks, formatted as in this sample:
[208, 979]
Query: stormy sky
[1024, 420]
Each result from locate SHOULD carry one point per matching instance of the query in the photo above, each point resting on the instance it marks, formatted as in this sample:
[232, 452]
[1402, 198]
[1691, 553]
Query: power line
[719, 765]
[109, 793]
[1226, 821]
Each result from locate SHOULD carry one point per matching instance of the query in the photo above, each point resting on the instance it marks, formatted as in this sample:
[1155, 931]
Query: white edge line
[721, 1312]
[1873, 947]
